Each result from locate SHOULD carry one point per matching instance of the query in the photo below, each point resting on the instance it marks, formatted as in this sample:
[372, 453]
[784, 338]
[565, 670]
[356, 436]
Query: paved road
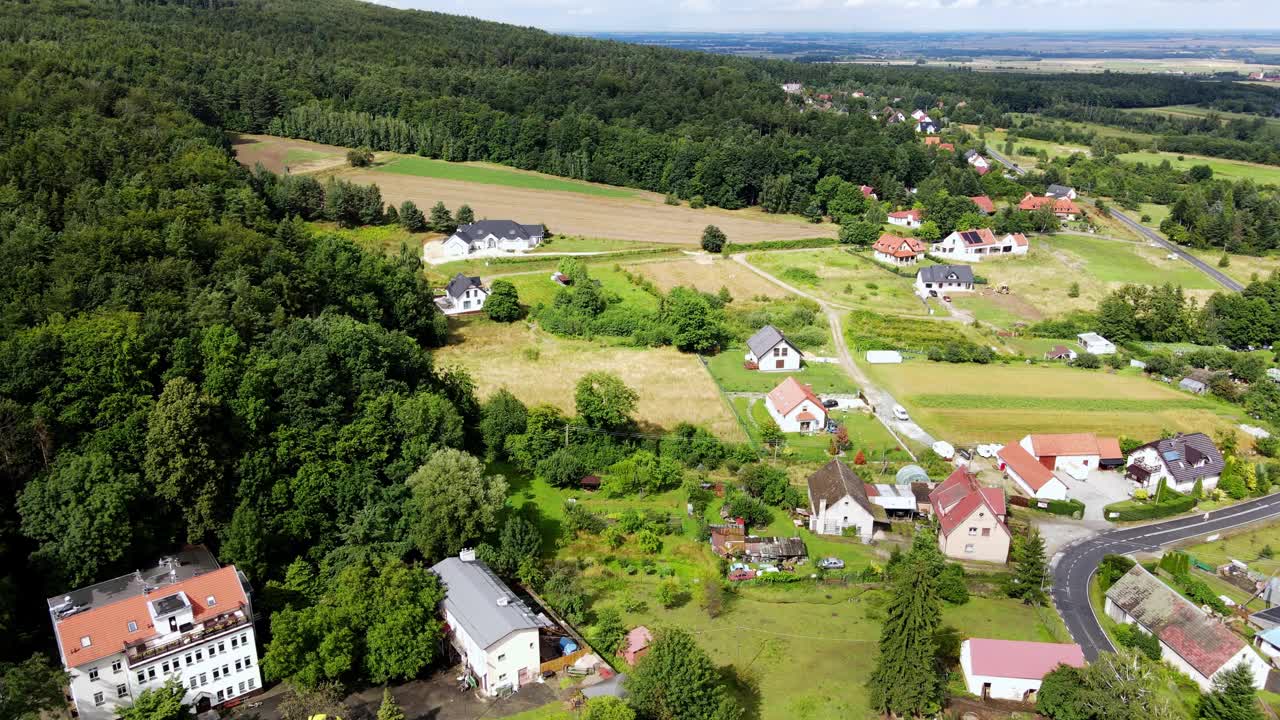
[1074, 566]
[1005, 161]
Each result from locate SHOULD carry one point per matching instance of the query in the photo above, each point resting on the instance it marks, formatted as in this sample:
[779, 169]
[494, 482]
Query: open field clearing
[579, 244]
[1113, 261]
[1248, 547]
[709, 273]
[490, 174]
[280, 155]
[541, 368]
[1244, 268]
[998, 138]
[1229, 169]
[385, 239]
[995, 403]
[733, 377]
[843, 278]
[1192, 111]
[538, 287]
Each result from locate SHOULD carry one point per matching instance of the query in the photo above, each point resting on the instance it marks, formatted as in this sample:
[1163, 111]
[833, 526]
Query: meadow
[490, 174]
[1250, 546]
[536, 286]
[1244, 268]
[1228, 169]
[824, 378]
[1192, 111]
[709, 273]
[844, 279]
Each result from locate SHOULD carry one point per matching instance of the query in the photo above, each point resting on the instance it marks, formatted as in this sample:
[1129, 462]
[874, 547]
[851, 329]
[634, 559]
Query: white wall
[1150, 458]
[1052, 490]
[769, 363]
[1001, 687]
[789, 423]
[833, 519]
[1246, 654]
[518, 650]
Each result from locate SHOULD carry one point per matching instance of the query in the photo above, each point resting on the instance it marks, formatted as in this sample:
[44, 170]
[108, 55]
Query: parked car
[739, 566]
[767, 569]
[831, 563]
[946, 298]
[900, 413]
[830, 403]
[740, 575]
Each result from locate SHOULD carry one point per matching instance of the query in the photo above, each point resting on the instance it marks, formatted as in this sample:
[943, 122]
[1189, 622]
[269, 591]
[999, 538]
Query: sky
[863, 15]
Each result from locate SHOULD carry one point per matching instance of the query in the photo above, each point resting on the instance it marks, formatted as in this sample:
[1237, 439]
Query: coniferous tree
[1030, 568]
[906, 680]
[1232, 698]
[441, 220]
[411, 218]
[389, 709]
[465, 215]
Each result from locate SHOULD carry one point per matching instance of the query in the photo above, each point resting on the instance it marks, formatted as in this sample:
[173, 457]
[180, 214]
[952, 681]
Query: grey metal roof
[460, 284]
[765, 339]
[1197, 456]
[506, 229]
[614, 686]
[947, 273]
[969, 153]
[182, 565]
[473, 596]
[1192, 384]
[1057, 191]
[911, 473]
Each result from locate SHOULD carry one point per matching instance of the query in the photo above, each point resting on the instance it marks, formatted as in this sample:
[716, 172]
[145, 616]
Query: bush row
[1174, 504]
[731, 248]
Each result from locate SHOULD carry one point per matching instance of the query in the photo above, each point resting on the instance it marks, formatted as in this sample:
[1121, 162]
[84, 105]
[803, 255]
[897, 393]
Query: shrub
[1132, 636]
[1088, 361]
[1171, 503]
[730, 248]
[697, 202]
[1112, 568]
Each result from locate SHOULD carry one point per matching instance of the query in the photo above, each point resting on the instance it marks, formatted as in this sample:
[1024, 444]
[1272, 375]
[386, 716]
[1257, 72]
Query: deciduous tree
[675, 680]
[453, 503]
[604, 401]
[503, 302]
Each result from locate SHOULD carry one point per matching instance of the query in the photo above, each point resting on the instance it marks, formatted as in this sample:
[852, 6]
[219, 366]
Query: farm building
[1010, 669]
[970, 519]
[1029, 475]
[907, 218]
[1190, 640]
[496, 235]
[770, 351]
[1193, 386]
[1073, 452]
[897, 250]
[974, 245]
[984, 204]
[884, 357]
[636, 644]
[795, 408]
[462, 295]
[901, 500]
[1180, 461]
[1095, 344]
[838, 500]
[938, 280]
[774, 549]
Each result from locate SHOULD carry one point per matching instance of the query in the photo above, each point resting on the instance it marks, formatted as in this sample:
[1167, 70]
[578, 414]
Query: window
[115, 666]
[219, 696]
[776, 352]
[173, 624]
[98, 698]
[502, 657]
[222, 647]
[188, 658]
[93, 673]
[230, 692]
[217, 673]
[85, 641]
[503, 676]
[133, 626]
[242, 686]
[151, 672]
[199, 655]
[193, 683]
[211, 601]
[239, 664]
[986, 532]
[226, 669]
[973, 531]
[204, 679]
[165, 667]
[213, 651]
[248, 660]
[784, 351]
[122, 691]
[142, 677]
[244, 639]
[250, 681]
[234, 642]
[968, 548]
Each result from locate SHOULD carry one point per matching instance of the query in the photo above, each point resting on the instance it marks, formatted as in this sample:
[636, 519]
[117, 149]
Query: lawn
[709, 273]
[997, 140]
[579, 244]
[733, 377]
[488, 174]
[1247, 547]
[866, 433]
[542, 368]
[536, 286]
[1113, 261]
[1243, 268]
[1228, 169]
[1157, 213]
[843, 278]
[967, 403]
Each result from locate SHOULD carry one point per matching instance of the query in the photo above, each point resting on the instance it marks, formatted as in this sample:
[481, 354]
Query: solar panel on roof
[971, 237]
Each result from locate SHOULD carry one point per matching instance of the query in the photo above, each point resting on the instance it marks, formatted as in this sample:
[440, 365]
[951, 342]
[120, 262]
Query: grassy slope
[1230, 169]
[497, 175]
[733, 377]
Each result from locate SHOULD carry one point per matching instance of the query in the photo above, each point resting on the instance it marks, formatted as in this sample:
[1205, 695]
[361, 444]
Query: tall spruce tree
[441, 220]
[1232, 697]
[1030, 568]
[906, 680]
[389, 709]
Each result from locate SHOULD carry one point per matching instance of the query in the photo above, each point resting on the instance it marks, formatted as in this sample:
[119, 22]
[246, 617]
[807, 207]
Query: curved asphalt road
[1074, 566]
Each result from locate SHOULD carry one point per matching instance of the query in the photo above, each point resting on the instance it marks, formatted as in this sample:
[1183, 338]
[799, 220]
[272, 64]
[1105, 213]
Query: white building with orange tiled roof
[795, 408]
[187, 618]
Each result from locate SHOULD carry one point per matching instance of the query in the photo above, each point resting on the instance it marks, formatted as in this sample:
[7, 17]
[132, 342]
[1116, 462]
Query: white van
[900, 413]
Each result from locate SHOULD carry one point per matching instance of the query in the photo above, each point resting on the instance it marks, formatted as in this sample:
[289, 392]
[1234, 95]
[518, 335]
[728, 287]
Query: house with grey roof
[493, 235]
[464, 294]
[492, 630]
[1191, 640]
[838, 502]
[1061, 192]
[937, 280]
[1180, 461]
[1193, 386]
[770, 351]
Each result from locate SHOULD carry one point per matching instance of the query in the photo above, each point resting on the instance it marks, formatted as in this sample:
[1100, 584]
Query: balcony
[141, 652]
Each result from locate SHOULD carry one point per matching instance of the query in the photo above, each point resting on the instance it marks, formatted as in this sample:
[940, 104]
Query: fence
[564, 661]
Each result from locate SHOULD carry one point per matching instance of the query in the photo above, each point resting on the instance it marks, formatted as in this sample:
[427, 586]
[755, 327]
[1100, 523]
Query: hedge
[1131, 510]
[555, 259]
[1070, 508]
[731, 248]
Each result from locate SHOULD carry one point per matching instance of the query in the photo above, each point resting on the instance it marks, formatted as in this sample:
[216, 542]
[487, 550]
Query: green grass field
[496, 175]
[865, 433]
[843, 278]
[576, 243]
[1244, 268]
[1192, 111]
[727, 369]
[1229, 169]
[998, 403]
[537, 287]
[386, 239]
[1247, 547]
[1157, 213]
[1119, 262]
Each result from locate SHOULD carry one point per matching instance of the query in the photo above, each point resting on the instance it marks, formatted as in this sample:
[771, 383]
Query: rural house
[838, 500]
[1095, 344]
[1180, 461]
[974, 245]
[1060, 352]
[1190, 640]
[970, 519]
[494, 633]
[898, 250]
[770, 351]
[979, 163]
[1073, 453]
[985, 206]
[1029, 475]
[1012, 669]
[1063, 208]
[498, 235]
[936, 280]
[907, 218]
[462, 295]
[1060, 192]
[795, 408]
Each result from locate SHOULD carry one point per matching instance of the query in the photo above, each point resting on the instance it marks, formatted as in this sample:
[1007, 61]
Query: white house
[795, 408]
[462, 295]
[979, 163]
[1061, 192]
[1029, 475]
[771, 351]
[974, 245]
[1012, 669]
[897, 250]
[493, 631]
[970, 519]
[1190, 640]
[1072, 451]
[936, 280]
[1180, 461]
[1094, 343]
[838, 500]
[493, 235]
[907, 218]
[186, 619]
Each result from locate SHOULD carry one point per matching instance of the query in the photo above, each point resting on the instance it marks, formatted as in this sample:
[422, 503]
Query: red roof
[638, 639]
[932, 140]
[1067, 444]
[791, 393]
[806, 415]
[1018, 239]
[913, 214]
[867, 190]
[984, 203]
[947, 146]
[1035, 202]
[898, 246]
[107, 626]
[871, 490]
[984, 234]
[959, 496]
[1109, 449]
[1028, 468]
[1020, 659]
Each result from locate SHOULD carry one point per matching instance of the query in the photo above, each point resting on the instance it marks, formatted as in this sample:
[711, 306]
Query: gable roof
[1018, 239]
[980, 237]
[504, 229]
[984, 203]
[1109, 449]
[909, 214]
[460, 284]
[1021, 659]
[1053, 445]
[947, 273]
[901, 247]
[1182, 453]
[1058, 191]
[107, 626]
[959, 496]
[867, 190]
[1203, 642]
[789, 394]
[765, 339]
[1059, 351]
[1032, 473]
[472, 595]
[832, 482]
[1060, 205]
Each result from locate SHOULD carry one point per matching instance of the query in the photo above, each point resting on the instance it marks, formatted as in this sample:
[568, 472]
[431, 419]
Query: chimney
[467, 555]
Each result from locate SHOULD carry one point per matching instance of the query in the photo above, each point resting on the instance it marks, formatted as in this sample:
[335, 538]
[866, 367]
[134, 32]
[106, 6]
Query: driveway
[1101, 489]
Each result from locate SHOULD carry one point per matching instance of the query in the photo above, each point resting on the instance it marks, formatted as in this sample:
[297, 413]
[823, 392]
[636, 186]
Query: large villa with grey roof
[496, 236]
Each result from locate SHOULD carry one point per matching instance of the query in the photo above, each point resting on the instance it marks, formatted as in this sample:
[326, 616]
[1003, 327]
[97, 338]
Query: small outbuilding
[636, 644]
[1095, 344]
[1192, 385]
[884, 357]
[1029, 474]
[1011, 669]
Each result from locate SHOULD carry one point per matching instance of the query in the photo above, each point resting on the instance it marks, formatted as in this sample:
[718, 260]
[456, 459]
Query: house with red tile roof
[1012, 669]
[1029, 475]
[907, 218]
[1064, 208]
[984, 204]
[868, 192]
[897, 250]
[1190, 639]
[795, 407]
[1073, 452]
[970, 519]
[636, 644]
[186, 619]
[978, 243]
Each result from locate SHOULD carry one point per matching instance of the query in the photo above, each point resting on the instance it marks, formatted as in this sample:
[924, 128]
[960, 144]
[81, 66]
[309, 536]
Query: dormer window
[85, 642]
[211, 601]
[133, 626]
